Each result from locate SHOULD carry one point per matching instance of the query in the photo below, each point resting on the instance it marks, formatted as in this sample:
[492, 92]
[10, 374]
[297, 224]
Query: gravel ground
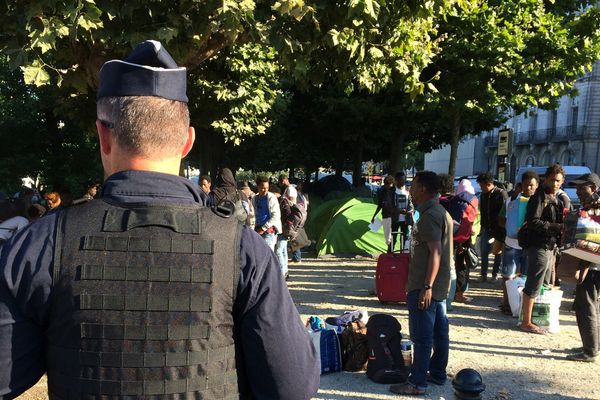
[515, 365]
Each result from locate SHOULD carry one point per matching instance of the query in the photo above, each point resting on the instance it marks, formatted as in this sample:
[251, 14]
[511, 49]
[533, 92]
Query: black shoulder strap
[58, 240]
[237, 270]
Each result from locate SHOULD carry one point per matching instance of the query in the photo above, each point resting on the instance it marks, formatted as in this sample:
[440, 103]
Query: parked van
[571, 172]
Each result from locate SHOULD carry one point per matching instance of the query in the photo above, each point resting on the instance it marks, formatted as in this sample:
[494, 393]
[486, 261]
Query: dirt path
[514, 365]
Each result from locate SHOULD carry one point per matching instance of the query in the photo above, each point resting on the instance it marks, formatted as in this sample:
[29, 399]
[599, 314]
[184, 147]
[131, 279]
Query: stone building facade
[569, 135]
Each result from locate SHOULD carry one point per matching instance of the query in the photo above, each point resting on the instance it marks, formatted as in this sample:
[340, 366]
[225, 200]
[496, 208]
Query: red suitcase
[391, 277]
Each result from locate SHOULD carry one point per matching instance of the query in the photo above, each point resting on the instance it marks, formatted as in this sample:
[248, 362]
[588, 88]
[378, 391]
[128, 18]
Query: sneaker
[494, 278]
[582, 357]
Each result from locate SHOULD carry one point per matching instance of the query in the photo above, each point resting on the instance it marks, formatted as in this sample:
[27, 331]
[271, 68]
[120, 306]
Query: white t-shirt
[11, 225]
[401, 201]
[291, 194]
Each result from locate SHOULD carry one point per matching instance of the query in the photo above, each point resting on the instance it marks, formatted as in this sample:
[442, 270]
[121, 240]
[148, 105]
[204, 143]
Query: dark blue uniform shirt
[276, 359]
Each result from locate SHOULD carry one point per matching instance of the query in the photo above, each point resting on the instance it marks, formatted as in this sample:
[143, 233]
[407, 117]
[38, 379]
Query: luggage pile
[353, 342]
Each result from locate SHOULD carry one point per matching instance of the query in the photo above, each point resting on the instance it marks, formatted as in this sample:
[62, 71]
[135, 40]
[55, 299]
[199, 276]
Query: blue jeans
[486, 248]
[270, 239]
[428, 331]
[282, 253]
[297, 255]
[513, 260]
[452, 291]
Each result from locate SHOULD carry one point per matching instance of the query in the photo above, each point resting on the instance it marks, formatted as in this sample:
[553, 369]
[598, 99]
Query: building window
[533, 120]
[546, 158]
[574, 117]
[553, 120]
[567, 157]
[529, 161]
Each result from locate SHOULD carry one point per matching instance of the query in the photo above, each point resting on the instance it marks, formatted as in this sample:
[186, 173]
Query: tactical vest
[142, 303]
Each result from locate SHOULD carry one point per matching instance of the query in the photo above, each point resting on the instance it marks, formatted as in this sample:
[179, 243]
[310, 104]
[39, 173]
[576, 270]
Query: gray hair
[147, 126]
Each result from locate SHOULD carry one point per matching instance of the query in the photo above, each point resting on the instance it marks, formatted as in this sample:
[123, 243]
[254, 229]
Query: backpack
[355, 348]
[327, 346]
[293, 222]
[302, 205]
[463, 209]
[232, 206]
[386, 364]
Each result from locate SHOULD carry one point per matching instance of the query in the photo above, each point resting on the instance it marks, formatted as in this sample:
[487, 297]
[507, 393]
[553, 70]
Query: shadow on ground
[515, 365]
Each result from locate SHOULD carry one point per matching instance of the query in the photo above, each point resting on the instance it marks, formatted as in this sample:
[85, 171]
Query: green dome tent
[347, 229]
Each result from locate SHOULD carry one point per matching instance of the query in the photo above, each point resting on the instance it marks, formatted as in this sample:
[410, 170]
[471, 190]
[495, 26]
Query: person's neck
[165, 166]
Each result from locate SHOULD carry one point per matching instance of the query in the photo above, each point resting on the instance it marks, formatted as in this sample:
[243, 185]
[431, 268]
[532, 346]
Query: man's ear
[104, 137]
[189, 143]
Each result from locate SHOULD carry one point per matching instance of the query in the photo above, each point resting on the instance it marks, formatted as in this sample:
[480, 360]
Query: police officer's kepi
[148, 71]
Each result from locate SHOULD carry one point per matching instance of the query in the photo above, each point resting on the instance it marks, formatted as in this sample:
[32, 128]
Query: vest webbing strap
[140, 388]
[119, 220]
[139, 244]
[61, 357]
[148, 302]
[196, 274]
[142, 332]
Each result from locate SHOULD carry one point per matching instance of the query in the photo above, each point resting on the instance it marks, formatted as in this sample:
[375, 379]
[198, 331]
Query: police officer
[146, 293]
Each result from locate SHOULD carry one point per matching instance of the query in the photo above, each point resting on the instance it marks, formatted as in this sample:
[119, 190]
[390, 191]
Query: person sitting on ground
[587, 291]
[427, 286]
[512, 216]
[544, 217]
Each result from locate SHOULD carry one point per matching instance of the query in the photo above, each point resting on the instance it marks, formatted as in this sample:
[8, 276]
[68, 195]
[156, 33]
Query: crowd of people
[27, 205]
[139, 294]
[522, 229]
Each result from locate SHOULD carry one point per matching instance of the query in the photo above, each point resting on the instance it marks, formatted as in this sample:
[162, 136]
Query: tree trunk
[339, 162]
[397, 154]
[357, 165]
[454, 142]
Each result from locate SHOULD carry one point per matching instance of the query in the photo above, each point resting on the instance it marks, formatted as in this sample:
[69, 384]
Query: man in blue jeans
[492, 200]
[427, 286]
[267, 213]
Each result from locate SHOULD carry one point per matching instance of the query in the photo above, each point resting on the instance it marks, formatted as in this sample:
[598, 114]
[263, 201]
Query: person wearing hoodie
[463, 210]
[225, 189]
